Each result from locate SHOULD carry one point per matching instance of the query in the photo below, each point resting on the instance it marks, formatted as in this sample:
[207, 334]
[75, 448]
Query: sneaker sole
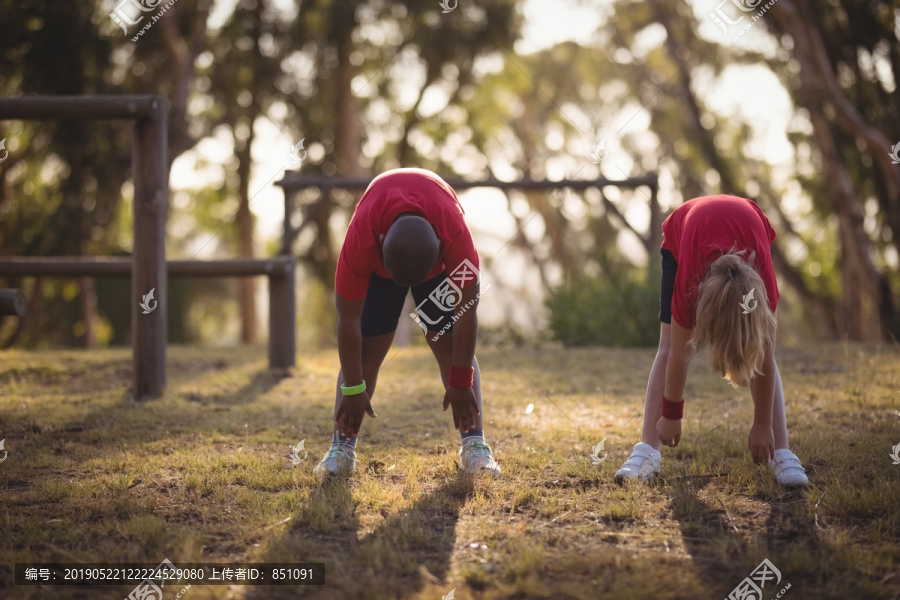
[326, 472]
[329, 474]
[621, 479]
[793, 484]
[481, 471]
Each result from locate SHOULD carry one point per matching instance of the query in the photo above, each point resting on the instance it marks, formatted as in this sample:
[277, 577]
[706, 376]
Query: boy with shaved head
[407, 232]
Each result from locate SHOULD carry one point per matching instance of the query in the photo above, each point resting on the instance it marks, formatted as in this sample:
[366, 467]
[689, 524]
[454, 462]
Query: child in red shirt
[408, 232]
[719, 288]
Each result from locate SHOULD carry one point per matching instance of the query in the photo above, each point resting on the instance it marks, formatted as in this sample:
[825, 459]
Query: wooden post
[287, 237]
[282, 317]
[654, 264]
[12, 302]
[150, 170]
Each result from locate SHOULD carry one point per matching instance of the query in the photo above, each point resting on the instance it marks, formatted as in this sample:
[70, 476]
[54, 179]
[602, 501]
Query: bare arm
[465, 332]
[669, 430]
[679, 359]
[352, 408]
[762, 388]
[350, 339]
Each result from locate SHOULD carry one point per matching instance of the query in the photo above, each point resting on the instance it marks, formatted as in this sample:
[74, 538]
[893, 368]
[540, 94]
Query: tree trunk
[245, 220]
[859, 317]
[182, 50]
[866, 303]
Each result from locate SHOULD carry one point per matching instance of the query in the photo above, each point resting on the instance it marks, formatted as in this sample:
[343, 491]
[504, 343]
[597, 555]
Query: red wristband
[672, 410]
[461, 378]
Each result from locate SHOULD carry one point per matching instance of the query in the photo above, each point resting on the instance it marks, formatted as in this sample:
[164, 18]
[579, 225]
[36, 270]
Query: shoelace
[478, 447]
[340, 452]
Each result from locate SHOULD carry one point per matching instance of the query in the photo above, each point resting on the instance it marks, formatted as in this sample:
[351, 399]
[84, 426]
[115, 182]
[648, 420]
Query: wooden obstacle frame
[12, 302]
[293, 182]
[147, 266]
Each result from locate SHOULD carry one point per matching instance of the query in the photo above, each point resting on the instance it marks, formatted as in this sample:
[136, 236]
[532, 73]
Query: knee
[662, 354]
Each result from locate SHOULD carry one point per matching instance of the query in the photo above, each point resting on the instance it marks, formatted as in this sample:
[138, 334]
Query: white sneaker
[475, 457]
[787, 468]
[339, 460]
[643, 464]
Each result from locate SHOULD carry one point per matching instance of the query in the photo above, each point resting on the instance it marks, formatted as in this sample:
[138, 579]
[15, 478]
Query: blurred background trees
[375, 85]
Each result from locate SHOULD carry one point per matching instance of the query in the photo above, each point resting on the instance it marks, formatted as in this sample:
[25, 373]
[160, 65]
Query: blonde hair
[738, 338]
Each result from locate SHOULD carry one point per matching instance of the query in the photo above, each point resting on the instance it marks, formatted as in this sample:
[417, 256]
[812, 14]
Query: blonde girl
[718, 289]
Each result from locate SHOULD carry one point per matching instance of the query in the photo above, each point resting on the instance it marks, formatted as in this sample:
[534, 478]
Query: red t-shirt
[389, 195]
[703, 229]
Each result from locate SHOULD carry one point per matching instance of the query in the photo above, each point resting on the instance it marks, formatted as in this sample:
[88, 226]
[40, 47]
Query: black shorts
[667, 289]
[384, 303]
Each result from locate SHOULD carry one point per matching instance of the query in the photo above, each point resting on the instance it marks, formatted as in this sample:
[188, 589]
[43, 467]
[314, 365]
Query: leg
[787, 468]
[656, 387]
[475, 455]
[779, 419]
[443, 353]
[643, 464]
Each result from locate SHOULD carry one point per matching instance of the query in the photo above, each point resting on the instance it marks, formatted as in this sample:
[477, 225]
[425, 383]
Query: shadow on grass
[394, 560]
[709, 533]
[725, 550]
[81, 427]
[117, 419]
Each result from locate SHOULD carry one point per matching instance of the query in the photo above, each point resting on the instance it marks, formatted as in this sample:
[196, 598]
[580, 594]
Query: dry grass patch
[203, 475]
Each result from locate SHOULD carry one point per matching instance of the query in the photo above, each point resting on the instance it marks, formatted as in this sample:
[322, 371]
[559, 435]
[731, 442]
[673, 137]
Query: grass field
[203, 475]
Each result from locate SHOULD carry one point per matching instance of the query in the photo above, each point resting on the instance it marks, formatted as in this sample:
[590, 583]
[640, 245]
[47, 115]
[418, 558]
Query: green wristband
[353, 389]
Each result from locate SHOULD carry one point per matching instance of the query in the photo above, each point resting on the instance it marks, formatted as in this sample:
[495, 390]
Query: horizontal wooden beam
[294, 181]
[79, 107]
[76, 266]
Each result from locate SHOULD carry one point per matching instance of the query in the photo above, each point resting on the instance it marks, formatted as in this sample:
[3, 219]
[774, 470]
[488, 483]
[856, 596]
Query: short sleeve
[461, 248]
[672, 233]
[351, 280]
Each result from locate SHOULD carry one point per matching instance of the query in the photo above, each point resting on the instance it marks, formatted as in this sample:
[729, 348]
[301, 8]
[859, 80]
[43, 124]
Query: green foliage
[595, 312]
